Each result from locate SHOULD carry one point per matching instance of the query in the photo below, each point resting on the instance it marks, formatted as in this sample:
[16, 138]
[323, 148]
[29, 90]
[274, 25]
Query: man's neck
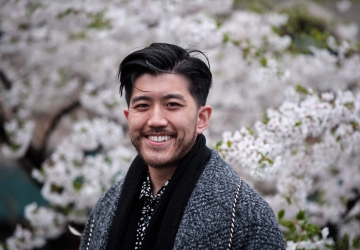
[159, 176]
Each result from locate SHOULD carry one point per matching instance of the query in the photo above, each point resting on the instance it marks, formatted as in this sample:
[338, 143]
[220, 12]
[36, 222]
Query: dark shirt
[148, 209]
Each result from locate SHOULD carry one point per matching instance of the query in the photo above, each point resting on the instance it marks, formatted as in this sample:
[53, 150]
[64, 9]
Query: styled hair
[160, 58]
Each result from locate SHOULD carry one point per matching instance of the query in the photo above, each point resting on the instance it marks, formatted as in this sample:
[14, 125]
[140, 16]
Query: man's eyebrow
[140, 98]
[165, 97]
[174, 96]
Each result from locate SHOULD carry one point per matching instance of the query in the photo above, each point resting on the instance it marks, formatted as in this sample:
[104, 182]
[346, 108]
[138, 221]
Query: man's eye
[172, 104]
[142, 105]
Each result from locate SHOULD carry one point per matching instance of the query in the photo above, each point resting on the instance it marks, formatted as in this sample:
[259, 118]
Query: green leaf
[112, 105]
[302, 89]
[108, 160]
[56, 189]
[78, 36]
[236, 42]
[297, 124]
[356, 243]
[65, 210]
[251, 132]
[355, 125]
[312, 229]
[349, 105]
[67, 12]
[264, 158]
[15, 146]
[263, 61]
[99, 21]
[218, 145]
[226, 38]
[343, 243]
[301, 215]
[281, 214]
[304, 237]
[228, 144]
[287, 198]
[77, 163]
[266, 120]
[78, 182]
[305, 29]
[289, 224]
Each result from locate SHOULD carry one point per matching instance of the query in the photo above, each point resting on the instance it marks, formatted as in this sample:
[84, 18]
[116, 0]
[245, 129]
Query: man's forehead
[168, 77]
[164, 83]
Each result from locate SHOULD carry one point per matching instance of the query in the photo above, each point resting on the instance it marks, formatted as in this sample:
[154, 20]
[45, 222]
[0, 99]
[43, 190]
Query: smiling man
[178, 193]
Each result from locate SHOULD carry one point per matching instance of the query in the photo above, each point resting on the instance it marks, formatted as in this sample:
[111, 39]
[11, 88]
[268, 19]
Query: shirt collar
[146, 188]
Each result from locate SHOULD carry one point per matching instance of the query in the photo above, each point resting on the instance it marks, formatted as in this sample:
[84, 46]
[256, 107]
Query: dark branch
[55, 121]
[38, 156]
[3, 135]
[5, 80]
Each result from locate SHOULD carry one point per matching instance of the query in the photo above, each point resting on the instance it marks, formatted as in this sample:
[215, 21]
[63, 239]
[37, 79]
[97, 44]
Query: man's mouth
[159, 138]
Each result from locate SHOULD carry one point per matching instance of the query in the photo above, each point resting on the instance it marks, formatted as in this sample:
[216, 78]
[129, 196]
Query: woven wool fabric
[206, 221]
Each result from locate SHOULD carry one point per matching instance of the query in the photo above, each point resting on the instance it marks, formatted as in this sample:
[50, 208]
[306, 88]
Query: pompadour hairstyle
[161, 58]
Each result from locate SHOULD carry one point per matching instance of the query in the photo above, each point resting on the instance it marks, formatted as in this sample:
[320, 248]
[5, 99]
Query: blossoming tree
[285, 96]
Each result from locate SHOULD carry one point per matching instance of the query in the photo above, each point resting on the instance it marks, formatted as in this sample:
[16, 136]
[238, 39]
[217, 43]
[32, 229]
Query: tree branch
[37, 155]
[5, 80]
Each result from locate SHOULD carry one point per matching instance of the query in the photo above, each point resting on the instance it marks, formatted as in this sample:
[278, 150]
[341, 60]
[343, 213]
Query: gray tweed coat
[207, 219]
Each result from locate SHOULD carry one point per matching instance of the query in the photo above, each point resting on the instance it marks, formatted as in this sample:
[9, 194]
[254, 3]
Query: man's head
[161, 58]
[166, 91]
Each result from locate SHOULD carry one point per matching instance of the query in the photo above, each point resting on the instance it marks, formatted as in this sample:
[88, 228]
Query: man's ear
[204, 115]
[126, 113]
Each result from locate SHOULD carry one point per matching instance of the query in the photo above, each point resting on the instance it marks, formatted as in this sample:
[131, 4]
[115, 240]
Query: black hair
[160, 58]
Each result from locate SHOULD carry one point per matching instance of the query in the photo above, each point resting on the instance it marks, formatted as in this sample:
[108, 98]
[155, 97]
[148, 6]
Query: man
[177, 194]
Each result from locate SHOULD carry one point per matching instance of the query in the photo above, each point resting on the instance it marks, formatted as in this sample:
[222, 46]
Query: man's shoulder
[256, 225]
[218, 180]
[250, 205]
[218, 170]
[100, 218]
[208, 216]
[112, 194]
[252, 208]
[220, 174]
[108, 201]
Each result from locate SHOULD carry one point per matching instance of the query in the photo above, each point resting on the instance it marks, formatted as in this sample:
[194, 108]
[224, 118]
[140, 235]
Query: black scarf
[168, 213]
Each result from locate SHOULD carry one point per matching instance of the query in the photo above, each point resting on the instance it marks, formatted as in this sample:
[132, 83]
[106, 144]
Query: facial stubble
[179, 150]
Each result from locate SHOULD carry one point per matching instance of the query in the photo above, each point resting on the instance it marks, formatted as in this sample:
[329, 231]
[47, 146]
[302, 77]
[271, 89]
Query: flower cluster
[83, 166]
[23, 239]
[307, 148]
[19, 135]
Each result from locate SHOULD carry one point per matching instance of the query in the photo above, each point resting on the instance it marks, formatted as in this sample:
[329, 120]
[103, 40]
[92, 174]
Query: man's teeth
[159, 138]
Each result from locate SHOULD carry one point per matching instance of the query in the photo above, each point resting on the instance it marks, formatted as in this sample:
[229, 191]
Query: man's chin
[160, 164]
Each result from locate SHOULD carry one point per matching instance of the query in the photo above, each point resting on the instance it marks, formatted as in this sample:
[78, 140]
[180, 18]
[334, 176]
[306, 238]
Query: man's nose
[157, 118]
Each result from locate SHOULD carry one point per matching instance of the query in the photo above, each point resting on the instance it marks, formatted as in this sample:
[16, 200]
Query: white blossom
[47, 222]
[343, 5]
[23, 239]
[349, 31]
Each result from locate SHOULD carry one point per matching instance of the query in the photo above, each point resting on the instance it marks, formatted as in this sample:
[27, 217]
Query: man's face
[163, 119]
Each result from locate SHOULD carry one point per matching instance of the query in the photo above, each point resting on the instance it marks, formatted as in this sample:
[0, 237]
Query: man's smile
[159, 138]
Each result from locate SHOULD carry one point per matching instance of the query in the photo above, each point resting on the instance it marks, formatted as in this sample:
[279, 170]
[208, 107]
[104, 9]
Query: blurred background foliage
[308, 25]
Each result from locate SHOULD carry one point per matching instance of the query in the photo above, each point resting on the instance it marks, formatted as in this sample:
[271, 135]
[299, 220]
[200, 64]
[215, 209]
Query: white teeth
[159, 138]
